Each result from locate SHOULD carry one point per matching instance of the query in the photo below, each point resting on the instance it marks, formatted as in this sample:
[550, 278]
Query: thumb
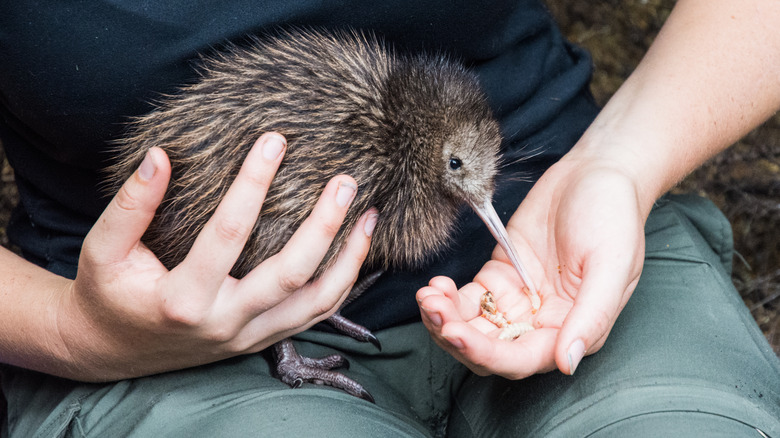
[124, 221]
[597, 305]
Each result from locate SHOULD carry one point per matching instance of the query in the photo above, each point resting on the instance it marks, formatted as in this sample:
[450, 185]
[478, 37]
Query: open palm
[580, 234]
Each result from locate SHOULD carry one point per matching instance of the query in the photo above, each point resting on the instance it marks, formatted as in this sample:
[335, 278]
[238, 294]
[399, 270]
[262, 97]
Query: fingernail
[272, 147]
[147, 168]
[435, 317]
[368, 228]
[575, 354]
[455, 342]
[345, 194]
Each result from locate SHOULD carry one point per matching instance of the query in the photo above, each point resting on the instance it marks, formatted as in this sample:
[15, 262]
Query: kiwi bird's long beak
[486, 212]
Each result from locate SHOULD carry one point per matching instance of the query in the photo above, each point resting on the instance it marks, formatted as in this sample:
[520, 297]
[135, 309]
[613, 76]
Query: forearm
[710, 77]
[29, 298]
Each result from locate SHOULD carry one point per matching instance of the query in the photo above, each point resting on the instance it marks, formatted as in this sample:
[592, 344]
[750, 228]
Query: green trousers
[685, 358]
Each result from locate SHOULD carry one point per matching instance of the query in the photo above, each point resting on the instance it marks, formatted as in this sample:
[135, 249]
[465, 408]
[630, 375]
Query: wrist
[74, 332]
[30, 299]
[618, 158]
[92, 343]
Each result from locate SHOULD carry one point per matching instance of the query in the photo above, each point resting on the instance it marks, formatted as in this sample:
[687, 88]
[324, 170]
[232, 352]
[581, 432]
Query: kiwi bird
[414, 131]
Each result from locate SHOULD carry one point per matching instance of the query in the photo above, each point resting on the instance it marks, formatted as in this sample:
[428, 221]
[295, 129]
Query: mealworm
[490, 312]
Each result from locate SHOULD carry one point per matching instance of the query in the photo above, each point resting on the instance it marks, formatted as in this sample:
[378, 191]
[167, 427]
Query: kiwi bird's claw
[366, 396]
[353, 330]
[372, 339]
[349, 328]
[294, 369]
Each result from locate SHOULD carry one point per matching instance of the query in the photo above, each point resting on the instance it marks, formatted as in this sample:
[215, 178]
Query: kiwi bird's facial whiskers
[486, 212]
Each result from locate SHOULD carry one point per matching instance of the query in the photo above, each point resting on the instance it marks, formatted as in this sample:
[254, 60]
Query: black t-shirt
[72, 73]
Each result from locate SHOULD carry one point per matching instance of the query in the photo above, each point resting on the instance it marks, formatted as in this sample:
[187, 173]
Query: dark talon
[372, 339]
[366, 396]
[349, 328]
[353, 330]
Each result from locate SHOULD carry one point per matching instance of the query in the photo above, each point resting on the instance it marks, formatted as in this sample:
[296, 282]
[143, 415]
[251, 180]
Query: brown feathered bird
[415, 132]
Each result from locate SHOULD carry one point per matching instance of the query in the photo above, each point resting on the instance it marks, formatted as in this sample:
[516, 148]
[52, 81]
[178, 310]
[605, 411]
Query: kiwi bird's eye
[455, 163]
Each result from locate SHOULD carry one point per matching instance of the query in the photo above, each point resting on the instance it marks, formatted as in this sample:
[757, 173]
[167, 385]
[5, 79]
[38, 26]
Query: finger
[475, 342]
[434, 300]
[530, 354]
[322, 297]
[439, 306]
[121, 225]
[222, 239]
[596, 307]
[465, 300]
[442, 285]
[295, 264]
[443, 297]
[430, 317]
[344, 272]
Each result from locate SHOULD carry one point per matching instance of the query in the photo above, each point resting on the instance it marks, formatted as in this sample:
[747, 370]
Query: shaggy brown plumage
[414, 131]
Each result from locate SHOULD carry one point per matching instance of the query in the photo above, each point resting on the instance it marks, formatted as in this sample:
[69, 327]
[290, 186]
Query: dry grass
[744, 181]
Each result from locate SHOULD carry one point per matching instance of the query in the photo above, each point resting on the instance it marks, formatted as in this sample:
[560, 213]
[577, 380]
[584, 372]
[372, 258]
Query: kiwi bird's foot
[294, 369]
[346, 326]
[353, 330]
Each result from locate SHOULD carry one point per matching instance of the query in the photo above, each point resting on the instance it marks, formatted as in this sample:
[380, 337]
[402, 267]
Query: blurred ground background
[743, 181]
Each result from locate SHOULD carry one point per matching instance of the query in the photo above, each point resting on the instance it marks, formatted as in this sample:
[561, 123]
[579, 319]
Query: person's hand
[580, 234]
[586, 214]
[126, 315]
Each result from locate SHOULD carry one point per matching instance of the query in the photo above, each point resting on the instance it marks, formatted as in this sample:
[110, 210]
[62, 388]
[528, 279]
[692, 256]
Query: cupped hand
[580, 234]
[126, 315]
